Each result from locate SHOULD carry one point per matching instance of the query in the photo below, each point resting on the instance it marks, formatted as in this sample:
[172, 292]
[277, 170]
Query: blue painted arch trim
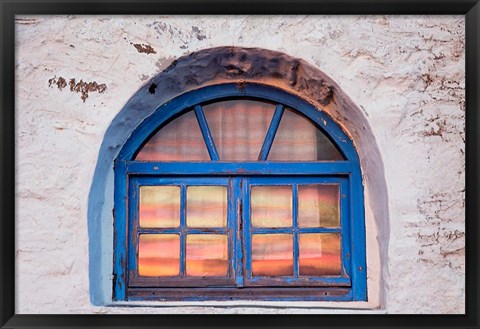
[188, 100]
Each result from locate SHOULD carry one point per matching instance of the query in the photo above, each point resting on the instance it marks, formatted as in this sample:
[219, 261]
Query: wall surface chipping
[74, 74]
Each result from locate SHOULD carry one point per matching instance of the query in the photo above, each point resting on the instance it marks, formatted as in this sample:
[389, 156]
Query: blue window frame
[246, 243]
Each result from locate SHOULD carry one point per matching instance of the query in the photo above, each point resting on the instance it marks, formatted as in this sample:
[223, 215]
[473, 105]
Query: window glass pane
[180, 140]
[319, 254]
[206, 206]
[207, 255]
[298, 139]
[318, 205]
[159, 206]
[272, 254]
[271, 206]
[239, 128]
[158, 254]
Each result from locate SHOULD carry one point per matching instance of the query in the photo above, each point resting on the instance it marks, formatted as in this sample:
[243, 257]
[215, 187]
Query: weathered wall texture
[74, 75]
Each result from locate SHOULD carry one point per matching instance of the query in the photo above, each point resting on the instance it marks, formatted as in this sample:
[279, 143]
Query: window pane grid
[324, 266]
[295, 232]
[182, 232]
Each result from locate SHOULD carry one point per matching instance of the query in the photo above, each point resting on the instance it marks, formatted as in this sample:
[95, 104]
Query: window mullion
[183, 220]
[237, 234]
[295, 229]
[272, 130]
[207, 135]
[246, 234]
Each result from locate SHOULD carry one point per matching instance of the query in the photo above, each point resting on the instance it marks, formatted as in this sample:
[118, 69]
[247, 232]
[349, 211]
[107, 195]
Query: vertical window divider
[272, 130]
[207, 135]
[247, 238]
[295, 230]
[183, 224]
[237, 234]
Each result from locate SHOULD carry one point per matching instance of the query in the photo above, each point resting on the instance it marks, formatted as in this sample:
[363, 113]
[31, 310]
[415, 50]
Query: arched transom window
[239, 192]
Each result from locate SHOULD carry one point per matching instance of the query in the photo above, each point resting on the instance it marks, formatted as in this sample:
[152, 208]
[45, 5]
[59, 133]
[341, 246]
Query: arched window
[239, 191]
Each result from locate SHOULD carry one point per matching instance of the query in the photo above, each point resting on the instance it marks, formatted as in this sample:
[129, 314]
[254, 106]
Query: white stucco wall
[406, 73]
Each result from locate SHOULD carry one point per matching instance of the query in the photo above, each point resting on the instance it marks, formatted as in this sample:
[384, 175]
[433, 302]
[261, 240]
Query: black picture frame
[10, 8]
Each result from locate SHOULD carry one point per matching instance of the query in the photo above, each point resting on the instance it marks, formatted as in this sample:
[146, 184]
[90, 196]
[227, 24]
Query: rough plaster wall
[406, 73]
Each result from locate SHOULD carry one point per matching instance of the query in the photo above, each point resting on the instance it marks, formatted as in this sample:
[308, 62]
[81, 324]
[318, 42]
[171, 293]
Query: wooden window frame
[239, 176]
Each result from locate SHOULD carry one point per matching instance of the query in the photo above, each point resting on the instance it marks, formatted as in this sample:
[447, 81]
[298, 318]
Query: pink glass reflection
[272, 254]
[318, 205]
[207, 255]
[271, 206]
[298, 139]
[180, 140]
[158, 255]
[159, 206]
[319, 254]
[239, 127]
[206, 206]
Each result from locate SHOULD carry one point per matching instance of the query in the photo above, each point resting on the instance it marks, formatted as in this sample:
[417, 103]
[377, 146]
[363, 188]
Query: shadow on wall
[226, 65]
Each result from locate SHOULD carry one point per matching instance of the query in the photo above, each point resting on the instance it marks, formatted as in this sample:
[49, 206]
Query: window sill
[248, 306]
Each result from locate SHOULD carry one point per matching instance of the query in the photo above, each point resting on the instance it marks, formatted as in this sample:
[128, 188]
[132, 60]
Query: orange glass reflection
[272, 254]
[318, 205]
[159, 206]
[298, 139]
[206, 206]
[271, 206]
[158, 254]
[207, 255]
[239, 128]
[180, 140]
[319, 254]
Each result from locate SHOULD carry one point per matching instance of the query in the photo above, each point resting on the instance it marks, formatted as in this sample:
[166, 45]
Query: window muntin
[344, 280]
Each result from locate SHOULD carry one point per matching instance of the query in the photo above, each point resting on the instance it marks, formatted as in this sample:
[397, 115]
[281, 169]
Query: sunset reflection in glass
[207, 255]
[318, 205]
[298, 139]
[272, 254]
[159, 206]
[271, 206]
[158, 254]
[239, 127]
[206, 206]
[179, 140]
[319, 254]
